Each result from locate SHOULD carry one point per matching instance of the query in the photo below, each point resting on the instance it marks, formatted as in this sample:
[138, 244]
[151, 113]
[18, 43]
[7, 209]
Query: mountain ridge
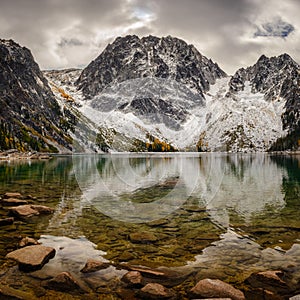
[157, 94]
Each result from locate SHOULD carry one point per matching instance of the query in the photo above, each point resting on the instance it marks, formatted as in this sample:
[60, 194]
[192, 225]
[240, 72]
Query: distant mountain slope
[278, 79]
[146, 88]
[30, 117]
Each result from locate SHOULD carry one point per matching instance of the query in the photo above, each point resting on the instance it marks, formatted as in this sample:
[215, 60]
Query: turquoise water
[217, 214]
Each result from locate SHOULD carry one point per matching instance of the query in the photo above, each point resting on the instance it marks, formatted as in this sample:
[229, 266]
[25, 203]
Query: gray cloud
[71, 33]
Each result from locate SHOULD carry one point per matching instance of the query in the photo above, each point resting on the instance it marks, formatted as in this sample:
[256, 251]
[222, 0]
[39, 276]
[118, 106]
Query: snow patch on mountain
[244, 121]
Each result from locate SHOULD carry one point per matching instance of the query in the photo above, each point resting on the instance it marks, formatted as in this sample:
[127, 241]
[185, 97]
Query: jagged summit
[131, 57]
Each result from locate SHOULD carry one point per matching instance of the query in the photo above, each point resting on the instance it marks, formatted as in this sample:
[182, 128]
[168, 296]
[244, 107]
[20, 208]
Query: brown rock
[258, 294]
[13, 201]
[270, 280]
[142, 237]
[164, 276]
[32, 257]
[30, 210]
[64, 282]
[12, 195]
[126, 256]
[23, 211]
[156, 291]
[43, 210]
[6, 221]
[93, 265]
[215, 288]
[27, 241]
[133, 278]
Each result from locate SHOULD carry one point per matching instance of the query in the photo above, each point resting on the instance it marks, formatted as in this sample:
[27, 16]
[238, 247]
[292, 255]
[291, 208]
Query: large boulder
[215, 288]
[32, 258]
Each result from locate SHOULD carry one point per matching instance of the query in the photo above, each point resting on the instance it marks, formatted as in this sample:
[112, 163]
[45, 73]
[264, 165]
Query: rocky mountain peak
[131, 57]
[277, 78]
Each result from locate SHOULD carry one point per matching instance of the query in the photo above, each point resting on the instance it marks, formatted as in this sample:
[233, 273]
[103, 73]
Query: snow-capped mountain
[131, 57]
[278, 80]
[163, 88]
[30, 117]
[148, 94]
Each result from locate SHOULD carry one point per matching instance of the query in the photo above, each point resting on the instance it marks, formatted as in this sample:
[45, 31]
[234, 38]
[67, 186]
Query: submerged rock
[7, 292]
[6, 221]
[133, 279]
[12, 195]
[156, 291]
[215, 288]
[32, 258]
[27, 241]
[42, 209]
[13, 201]
[64, 282]
[23, 211]
[142, 237]
[164, 276]
[269, 280]
[261, 293]
[30, 210]
[93, 265]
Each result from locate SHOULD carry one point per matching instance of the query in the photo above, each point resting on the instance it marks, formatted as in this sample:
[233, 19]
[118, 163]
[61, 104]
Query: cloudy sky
[234, 33]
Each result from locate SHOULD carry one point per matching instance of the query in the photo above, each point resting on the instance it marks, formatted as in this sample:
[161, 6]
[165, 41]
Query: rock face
[131, 57]
[214, 288]
[30, 116]
[156, 79]
[32, 257]
[277, 78]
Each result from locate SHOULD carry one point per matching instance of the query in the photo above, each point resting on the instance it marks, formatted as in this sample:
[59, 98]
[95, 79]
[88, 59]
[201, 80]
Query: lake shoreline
[15, 155]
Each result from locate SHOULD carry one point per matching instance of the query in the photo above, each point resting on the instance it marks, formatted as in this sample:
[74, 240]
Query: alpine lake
[190, 215]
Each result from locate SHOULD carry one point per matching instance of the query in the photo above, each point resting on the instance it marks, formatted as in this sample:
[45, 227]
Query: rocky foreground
[28, 273]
